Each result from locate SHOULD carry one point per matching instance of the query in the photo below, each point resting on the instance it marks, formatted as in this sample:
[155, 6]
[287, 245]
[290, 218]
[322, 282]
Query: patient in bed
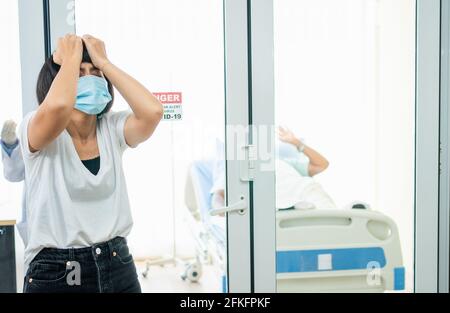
[296, 165]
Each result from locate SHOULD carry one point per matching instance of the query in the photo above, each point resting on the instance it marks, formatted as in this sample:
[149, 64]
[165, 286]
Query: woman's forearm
[63, 92]
[144, 105]
[147, 110]
[315, 157]
[54, 113]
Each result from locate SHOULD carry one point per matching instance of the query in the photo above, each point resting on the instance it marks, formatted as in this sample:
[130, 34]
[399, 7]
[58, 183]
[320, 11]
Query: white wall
[345, 75]
[11, 104]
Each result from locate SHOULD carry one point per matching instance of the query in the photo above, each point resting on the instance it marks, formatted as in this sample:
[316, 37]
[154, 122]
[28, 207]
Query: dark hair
[48, 73]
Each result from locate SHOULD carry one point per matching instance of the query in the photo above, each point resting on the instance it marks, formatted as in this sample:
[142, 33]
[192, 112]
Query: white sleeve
[23, 137]
[13, 167]
[116, 121]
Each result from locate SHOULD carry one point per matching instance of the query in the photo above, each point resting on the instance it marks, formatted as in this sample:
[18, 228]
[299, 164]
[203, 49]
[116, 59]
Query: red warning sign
[172, 102]
[169, 97]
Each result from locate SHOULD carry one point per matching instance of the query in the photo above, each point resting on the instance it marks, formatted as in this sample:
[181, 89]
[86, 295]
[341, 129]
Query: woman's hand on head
[70, 48]
[97, 51]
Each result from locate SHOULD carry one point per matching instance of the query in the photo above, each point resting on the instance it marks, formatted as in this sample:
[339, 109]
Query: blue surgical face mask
[92, 95]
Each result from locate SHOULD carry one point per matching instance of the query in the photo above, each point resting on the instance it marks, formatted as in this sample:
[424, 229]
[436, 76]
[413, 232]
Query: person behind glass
[79, 212]
[13, 167]
[306, 162]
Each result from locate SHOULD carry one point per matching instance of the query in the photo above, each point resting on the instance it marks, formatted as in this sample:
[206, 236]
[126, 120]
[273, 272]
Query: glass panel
[11, 109]
[345, 97]
[175, 48]
[11, 92]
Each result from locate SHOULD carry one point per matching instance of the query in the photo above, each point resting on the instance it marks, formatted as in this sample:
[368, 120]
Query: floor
[168, 279]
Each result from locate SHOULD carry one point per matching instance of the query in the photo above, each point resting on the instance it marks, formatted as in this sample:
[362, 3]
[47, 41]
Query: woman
[13, 167]
[296, 165]
[312, 165]
[78, 208]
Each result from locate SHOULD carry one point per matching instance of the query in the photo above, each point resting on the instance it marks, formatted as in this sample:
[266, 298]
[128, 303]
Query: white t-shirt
[14, 171]
[68, 206]
[295, 190]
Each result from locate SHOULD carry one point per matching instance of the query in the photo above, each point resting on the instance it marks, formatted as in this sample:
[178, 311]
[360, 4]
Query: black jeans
[104, 267]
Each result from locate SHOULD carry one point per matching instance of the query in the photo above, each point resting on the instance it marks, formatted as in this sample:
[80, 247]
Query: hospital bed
[342, 250]
[208, 231]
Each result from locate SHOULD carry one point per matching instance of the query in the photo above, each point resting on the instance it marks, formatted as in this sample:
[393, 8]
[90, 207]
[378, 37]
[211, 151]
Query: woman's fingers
[90, 37]
[70, 36]
[89, 41]
[69, 46]
[97, 51]
[285, 134]
[282, 129]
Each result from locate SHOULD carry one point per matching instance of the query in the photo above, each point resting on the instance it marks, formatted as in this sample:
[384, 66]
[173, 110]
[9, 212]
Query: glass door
[10, 194]
[345, 108]
[11, 109]
[354, 144]
[189, 203]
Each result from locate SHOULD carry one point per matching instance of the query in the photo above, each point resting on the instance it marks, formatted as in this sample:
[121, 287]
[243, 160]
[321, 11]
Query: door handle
[240, 207]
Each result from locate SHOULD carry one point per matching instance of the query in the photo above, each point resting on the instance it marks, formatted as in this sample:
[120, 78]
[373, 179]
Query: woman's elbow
[158, 111]
[154, 116]
[157, 117]
[59, 108]
[320, 168]
[154, 111]
[323, 167]
[148, 125]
